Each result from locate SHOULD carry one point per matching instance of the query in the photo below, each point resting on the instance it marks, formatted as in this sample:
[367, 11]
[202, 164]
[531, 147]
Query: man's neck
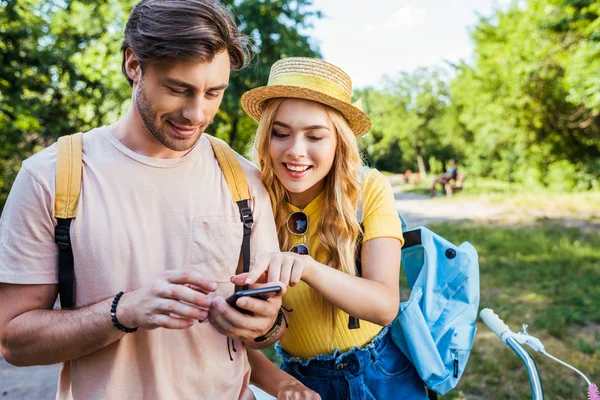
[132, 132]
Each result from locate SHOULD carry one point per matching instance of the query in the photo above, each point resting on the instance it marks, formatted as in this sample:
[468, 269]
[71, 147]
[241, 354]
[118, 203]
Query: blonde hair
[338, 228]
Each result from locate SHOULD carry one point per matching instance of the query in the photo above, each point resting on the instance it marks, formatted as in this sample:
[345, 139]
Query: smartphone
[263, 293]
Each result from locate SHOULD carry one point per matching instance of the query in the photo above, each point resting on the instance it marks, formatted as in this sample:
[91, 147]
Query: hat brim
[252, 103]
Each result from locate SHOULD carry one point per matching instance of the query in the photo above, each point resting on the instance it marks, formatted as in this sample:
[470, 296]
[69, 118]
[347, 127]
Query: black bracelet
[113, 315]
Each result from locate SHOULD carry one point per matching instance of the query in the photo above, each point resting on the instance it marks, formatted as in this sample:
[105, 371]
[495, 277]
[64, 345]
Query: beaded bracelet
[274, 329]
[113, 315]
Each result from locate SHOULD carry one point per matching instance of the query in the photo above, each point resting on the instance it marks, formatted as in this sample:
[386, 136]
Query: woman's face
[302, 148]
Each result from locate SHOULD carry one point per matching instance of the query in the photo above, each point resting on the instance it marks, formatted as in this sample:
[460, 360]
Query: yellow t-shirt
[308, 334]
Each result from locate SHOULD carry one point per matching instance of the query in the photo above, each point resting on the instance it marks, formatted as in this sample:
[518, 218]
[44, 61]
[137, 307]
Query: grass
[546, 276]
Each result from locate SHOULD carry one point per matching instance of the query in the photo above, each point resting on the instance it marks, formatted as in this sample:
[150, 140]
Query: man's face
[177, 101]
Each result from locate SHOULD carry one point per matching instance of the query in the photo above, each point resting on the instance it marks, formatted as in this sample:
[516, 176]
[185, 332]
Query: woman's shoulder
[372, 179]
[379, 213]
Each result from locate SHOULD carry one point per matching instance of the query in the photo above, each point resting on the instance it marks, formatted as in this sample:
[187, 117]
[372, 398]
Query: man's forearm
[40, 337]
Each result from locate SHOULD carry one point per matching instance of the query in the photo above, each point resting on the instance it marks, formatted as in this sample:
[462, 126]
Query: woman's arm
[374, 297]
[274, 381]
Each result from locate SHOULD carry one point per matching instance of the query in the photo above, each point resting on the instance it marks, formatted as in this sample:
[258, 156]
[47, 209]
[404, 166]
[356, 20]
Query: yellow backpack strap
[232, 170]
[69, 161]
[238, 186]
[68, 175]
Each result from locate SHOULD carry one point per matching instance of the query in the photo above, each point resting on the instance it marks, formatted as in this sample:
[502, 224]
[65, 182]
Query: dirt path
[28, 383]
[422, 210]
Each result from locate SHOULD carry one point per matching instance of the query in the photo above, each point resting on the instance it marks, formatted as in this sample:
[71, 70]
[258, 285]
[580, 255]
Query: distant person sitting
[446, 177]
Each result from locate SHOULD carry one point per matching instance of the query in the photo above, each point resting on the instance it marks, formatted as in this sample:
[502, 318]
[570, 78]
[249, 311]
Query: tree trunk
[421, 163]
[234, 130]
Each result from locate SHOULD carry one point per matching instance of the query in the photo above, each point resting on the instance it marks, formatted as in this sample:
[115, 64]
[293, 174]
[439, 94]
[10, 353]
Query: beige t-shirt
[138, 216]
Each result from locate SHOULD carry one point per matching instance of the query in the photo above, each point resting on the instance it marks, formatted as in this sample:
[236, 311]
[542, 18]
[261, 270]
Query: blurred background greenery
[60, 69]
[525, 110]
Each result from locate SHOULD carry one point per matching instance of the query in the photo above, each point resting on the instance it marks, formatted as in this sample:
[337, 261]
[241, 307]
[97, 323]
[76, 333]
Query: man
[155, 220]
[446, 177]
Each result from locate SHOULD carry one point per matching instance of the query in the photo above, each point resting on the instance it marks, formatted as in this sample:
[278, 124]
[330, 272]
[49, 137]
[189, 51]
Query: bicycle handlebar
[493, 321]
[496, 325]
[516, 341]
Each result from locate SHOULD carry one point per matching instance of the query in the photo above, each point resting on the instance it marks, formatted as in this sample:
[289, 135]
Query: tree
[528, 123]
[408, 125]
[60, 69]
[59, 74]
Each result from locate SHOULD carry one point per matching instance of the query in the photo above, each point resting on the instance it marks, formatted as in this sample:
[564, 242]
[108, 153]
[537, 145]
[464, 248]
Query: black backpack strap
[412, 238]
[66, 263]
[69, 156]
[248, 221]
[353, 322]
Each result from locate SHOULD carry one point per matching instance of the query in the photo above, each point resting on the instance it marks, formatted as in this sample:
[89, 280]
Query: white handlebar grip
[493, 322]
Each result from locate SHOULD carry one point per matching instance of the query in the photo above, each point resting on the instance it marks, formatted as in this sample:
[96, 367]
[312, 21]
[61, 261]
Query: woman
[338, 343]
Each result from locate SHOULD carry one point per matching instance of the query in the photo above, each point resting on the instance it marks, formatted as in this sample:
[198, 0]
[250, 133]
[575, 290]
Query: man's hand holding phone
[261, 306]
[262, 293]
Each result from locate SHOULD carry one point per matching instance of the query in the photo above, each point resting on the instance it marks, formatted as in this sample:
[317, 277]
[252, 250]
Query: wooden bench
[454, 186]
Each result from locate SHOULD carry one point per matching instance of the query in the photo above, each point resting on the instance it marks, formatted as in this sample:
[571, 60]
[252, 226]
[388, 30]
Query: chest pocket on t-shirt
[216, 246]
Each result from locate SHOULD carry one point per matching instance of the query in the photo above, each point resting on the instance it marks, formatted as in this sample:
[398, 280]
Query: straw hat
[310, 79]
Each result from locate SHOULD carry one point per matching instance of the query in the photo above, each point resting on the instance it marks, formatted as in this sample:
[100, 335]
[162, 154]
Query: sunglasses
[297, 224]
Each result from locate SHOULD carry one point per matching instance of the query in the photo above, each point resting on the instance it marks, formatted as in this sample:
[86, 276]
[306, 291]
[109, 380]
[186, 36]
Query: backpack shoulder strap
[353, 322]
[232, 170]
[69, 161]
[364, 171]
[240, 191]
[68, 175]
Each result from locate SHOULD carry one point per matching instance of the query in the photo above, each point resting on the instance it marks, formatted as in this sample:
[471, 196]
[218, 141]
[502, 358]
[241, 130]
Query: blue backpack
[435, 328]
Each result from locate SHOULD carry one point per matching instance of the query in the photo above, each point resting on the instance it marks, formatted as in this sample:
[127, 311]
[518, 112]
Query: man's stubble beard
[163, 134]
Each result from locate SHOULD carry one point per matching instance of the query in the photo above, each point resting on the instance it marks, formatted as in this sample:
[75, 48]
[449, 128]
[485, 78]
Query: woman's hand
[289, 268]
[296, 390]
[276, 382]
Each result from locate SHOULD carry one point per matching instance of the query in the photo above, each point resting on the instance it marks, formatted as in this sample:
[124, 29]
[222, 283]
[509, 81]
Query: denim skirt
[378, 371]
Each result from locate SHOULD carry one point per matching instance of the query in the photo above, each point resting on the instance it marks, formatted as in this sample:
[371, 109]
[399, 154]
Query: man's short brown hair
[187, 30]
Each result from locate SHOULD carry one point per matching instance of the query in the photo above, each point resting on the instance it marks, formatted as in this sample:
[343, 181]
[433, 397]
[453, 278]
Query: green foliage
[59, 74]
[60, 69]
[407, 120]
[515, 99]
[526, 110]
